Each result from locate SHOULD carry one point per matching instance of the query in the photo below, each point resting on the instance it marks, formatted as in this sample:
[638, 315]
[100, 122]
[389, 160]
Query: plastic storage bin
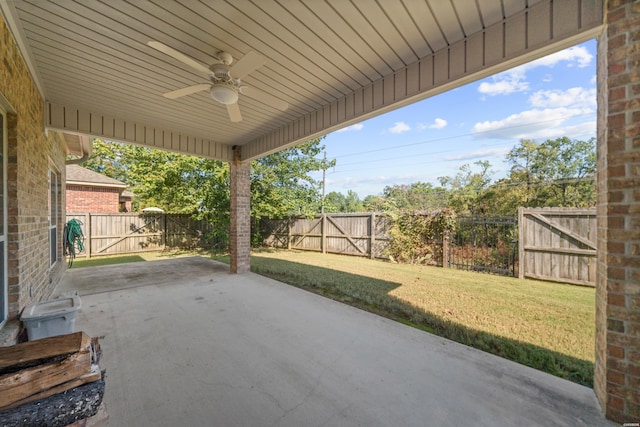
[51, 318]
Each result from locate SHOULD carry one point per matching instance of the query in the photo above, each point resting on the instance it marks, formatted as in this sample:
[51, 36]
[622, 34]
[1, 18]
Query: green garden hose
[73, 239]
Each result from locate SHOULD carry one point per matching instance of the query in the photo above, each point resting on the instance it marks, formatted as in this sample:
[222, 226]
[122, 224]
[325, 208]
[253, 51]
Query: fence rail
[548, 244]
[558, 245]
[552, 244]
[362, 234]
[123, 233]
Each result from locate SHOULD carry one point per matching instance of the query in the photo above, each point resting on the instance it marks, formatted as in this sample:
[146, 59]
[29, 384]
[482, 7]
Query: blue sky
[548, 98]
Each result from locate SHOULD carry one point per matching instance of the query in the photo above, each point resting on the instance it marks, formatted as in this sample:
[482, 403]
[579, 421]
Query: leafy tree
[467, 191]
[419, 196]
[281, 183]
[338, 202]
[179, 183]
[557, 172]
[373, 203]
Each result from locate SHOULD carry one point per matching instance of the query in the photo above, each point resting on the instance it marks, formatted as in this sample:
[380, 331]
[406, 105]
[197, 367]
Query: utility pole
[324, 180]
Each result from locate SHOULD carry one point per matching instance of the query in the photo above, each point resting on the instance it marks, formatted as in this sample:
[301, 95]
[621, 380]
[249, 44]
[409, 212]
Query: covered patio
[187, 343]
[237, 80]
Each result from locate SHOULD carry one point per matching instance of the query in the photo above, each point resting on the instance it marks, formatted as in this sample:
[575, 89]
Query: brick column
[240, 227]
[617, 368]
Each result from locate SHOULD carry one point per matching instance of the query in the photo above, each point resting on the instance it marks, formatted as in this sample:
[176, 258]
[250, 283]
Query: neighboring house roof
[79, 175]
[127, 193]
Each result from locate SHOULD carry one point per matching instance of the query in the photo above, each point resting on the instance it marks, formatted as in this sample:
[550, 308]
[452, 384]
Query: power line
[460, 136]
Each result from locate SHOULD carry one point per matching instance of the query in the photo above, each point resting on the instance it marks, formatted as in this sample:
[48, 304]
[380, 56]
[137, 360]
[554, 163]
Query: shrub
[416, 237]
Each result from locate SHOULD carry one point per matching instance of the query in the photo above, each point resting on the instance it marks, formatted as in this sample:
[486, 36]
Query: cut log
[76, 382]
[27, 382]
[58, 410]
[30, 353]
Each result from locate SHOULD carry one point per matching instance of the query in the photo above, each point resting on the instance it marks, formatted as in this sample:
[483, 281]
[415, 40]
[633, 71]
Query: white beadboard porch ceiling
[334, 62]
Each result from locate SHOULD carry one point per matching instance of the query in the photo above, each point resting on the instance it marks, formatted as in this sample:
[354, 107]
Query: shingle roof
[77, 174]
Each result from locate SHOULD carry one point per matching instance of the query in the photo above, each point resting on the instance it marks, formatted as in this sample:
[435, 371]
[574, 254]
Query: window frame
[54, 214]
[4, 281]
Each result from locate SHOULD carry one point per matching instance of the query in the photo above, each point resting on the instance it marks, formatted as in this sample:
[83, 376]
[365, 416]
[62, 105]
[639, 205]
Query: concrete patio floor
[187, 343]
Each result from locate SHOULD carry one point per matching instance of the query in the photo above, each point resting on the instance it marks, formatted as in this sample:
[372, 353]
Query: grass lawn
[548, 326]
[124, 259]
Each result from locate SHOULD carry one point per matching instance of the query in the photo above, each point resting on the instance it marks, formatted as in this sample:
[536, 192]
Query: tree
[373, 203]
[281, 183]
[338, 202]
[174, 182]
[558, 172]
[177, 183]
[419, 196]
[467, 191]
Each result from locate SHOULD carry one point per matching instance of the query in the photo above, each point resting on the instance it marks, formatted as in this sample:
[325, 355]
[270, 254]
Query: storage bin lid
[53, 308]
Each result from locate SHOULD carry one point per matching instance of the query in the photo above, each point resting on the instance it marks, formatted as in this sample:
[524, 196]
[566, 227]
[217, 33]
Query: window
[54, 213]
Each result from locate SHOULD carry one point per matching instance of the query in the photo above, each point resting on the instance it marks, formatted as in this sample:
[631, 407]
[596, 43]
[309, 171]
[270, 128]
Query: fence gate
[485, 244]
[360, 234]
[558, 245]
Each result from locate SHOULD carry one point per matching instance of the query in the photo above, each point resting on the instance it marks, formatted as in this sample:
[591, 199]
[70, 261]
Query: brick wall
[84, 198]
[617, 368]
[30, 154]
[240, 226]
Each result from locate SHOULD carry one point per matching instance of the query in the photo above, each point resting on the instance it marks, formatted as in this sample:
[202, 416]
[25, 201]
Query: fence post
[164, 231]
[521, 256]
[87, 219]
[372, 231]
[289, 233]
[323, 228]
[445, 249]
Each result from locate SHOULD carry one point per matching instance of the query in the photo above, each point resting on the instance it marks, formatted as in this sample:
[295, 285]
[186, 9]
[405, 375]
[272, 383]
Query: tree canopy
[557, 172]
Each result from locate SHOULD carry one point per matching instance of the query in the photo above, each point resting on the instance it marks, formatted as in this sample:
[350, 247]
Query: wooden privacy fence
[558, 245]
[123, 233]
[548, 243]
[362, 234]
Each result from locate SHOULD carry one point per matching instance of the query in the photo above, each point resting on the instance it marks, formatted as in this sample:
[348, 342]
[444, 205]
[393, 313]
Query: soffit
[93, 55]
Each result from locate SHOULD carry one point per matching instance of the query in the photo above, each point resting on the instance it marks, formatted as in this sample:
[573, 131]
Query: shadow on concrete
[374, 295]
[187, 343]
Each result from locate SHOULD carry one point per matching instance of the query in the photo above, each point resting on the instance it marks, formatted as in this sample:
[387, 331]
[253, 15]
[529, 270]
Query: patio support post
[617, 367]
[240, 227]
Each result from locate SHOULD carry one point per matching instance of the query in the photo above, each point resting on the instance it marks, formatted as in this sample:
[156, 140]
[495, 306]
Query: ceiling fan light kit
[224, 94]
[225, 80]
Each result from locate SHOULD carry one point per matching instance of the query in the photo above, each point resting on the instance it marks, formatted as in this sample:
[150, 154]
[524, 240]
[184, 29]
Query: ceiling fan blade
[264, 97]
[234, 112]
[187, 91]
[248, 63]
[180, 57]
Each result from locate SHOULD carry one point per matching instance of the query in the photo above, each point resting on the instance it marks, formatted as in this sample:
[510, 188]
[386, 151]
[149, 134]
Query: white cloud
[356, 127]
[574, 97]
[400, 127]
[576, 56]
[514, 80]
[438, 124]
[479, 154]
[527, 124]
[504, 84]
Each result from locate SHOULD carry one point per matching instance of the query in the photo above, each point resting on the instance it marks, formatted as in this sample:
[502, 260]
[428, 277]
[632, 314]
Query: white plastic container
[51, 318]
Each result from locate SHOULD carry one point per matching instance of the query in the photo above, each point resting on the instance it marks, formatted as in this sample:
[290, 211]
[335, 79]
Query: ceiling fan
[225, 86]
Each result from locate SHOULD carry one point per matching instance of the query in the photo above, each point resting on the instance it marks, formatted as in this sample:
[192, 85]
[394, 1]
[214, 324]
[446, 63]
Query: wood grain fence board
[558, 245]
[360, 234]
[123, 233]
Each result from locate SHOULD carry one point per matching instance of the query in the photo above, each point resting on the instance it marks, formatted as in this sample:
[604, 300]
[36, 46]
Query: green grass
[548, 326]
[124, 259]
